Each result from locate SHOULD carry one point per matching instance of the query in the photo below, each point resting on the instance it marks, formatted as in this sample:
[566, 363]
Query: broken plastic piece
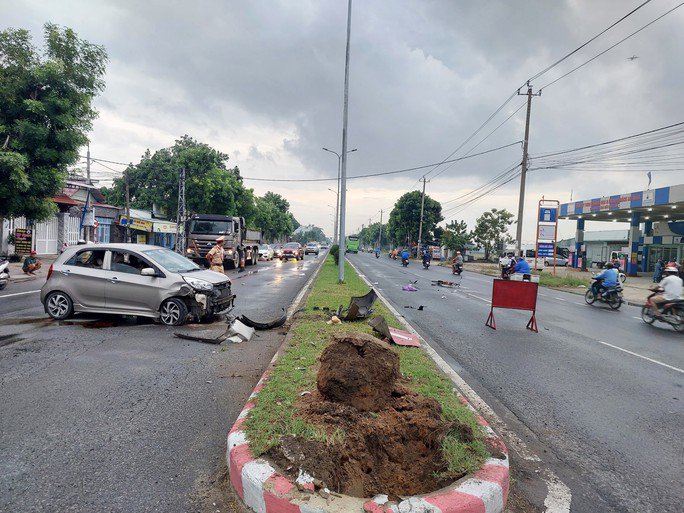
[409, 288]
[359, 307]
[241, 330]
[263, 325]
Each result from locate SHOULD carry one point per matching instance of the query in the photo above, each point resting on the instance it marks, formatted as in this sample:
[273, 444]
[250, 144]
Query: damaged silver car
[133, 279]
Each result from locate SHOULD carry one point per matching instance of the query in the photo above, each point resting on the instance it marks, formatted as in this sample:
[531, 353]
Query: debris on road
[334, 320]
[399, 337]
[263, 325]
[409, 288]
[360, 307]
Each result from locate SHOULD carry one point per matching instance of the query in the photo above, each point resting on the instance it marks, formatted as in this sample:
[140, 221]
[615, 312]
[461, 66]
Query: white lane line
[633, 317]
[558, 496]
[21, 293]
[560, 299]
[478, 297]
[641, 356]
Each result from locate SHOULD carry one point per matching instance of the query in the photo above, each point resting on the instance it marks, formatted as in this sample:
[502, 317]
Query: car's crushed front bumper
[221, 300]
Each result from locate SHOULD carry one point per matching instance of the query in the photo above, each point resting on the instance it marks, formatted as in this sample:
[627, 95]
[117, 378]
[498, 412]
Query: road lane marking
[633, 317]
[641, 356]
[560, 299]
[478, 297]
[21, 293]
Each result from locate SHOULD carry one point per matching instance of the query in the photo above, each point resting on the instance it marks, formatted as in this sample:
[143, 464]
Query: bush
[335, 252]
[15, 258]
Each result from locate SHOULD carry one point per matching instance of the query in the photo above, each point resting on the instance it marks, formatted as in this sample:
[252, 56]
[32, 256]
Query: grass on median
[273, 417]
[549, 280]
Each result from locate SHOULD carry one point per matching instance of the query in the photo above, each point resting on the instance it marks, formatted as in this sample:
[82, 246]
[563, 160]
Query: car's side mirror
[148, 271]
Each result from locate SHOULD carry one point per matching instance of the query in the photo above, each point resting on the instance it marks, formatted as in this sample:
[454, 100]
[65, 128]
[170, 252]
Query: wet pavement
[107, 413]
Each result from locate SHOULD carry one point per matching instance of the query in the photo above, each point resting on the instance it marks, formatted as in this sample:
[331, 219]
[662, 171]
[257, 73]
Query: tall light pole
[337, 201]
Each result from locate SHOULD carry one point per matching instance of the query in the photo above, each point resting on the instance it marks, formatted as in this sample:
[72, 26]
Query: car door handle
[65, 272]
[114, 279]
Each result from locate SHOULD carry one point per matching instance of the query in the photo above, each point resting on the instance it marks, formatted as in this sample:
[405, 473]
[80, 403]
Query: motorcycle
[506, 272]
[612, 296]
[404, 262]
[426, 264]
[4, 273]
[377, 255]
[456, 269]
[672, 312]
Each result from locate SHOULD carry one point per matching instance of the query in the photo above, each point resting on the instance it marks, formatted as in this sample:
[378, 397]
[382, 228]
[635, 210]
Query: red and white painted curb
[266, 491]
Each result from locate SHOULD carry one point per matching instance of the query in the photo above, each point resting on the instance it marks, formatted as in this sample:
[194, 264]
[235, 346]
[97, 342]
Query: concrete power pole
[380, 235]
[422, 208]
[521, 200]
[180, 216]
[88, 230]
[343, 171]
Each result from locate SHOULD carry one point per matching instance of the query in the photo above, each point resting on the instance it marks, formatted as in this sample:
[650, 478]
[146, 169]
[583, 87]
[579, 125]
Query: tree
[456, 236]
[45, 114]
[315, 234]
[491, 230]
[273, 216]
[210, 187]
[368, 236]
[404, 220]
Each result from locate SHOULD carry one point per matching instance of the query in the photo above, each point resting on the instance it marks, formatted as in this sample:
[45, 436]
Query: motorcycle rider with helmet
[671, 286]
[607, 279]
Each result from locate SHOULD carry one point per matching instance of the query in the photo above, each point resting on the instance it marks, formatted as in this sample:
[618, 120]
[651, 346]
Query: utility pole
[422, 207]
[180, 216]
[87, 229]
[128, 206]
[343, 170]
[380, 235]
[521, 200]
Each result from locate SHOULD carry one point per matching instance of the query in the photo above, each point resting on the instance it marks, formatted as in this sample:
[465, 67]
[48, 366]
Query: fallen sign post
[514, 295]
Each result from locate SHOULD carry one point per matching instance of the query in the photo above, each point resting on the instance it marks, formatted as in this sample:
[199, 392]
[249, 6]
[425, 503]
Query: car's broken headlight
[198, 284]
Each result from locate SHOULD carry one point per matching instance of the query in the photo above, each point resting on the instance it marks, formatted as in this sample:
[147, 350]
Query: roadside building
[656, 218]
[147, 228]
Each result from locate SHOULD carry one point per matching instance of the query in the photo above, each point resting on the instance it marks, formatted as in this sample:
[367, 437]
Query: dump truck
[202, 230]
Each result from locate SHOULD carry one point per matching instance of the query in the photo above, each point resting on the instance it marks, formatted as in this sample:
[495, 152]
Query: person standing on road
[31, 264]
[658, 272]
[216, 255]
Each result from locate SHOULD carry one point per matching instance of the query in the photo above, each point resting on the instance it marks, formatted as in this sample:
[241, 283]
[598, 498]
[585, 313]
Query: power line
[611, 47]
[384, 173]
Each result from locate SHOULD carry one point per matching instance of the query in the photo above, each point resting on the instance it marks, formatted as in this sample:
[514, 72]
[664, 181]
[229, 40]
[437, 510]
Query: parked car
[266, 252]
[560, 261]
[325, 245]
[277, 250]
[133, 279]
[312, 247]
[293, 250]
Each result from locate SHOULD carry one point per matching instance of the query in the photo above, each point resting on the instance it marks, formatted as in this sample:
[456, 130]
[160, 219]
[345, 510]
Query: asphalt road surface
[600, 390]
[127, 417]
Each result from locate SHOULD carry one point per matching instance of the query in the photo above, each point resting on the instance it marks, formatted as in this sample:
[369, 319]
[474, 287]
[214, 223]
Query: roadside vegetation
[275, 413]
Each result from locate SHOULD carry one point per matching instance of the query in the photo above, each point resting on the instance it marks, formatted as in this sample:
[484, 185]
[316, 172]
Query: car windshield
[210, 227]
[263, 246]
[172, 262]
[291, 245]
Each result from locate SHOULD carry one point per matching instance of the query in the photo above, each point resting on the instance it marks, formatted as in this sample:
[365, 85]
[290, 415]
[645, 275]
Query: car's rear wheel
[173, 312]
[59, 305]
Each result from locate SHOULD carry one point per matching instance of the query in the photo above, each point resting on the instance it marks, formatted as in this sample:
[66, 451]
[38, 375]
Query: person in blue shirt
[377, 251]
[521, 266]
[605, 280]
[405, 254]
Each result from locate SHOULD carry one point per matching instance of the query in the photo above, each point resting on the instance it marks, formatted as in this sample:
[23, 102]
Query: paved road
[608, 419]
[126, 418]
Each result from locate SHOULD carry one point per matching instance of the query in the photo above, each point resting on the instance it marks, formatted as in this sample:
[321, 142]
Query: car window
[125, 262]
[90, 258]
[171, 261]
[291, 245]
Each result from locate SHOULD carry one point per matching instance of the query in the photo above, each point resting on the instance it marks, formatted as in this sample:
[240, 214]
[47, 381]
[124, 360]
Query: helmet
[609, 265]
[671, 270]
[458, 252]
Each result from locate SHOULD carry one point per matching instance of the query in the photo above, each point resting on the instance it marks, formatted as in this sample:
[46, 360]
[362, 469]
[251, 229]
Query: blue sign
[545, 249]
[548, 215]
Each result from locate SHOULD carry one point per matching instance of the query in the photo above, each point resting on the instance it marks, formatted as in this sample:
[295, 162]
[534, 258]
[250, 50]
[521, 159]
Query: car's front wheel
[173, 312]
[59, 305]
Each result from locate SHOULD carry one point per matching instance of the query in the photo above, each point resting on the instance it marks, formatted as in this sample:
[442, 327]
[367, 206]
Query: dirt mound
[392, 436]
[358, 370]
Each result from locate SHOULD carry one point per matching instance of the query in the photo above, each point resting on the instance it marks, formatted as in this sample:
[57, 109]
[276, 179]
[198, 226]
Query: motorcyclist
[520, 266]
[607, 279]
[458, 259]
[405, 255]
[672, 288]
[377, 252]
[427, 256]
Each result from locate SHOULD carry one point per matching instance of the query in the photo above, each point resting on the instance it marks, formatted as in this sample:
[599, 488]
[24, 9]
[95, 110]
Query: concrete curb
[264, 490]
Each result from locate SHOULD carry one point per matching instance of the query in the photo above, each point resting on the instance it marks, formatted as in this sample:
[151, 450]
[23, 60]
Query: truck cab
[240, 243]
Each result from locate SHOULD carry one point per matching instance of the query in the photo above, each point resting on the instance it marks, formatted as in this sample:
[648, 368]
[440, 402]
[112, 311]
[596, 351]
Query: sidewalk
[18, 276]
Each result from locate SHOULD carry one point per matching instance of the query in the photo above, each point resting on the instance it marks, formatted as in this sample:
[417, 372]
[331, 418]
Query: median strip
[295, 426]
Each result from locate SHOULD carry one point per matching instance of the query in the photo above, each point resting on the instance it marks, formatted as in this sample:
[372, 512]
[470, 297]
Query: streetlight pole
[337, 201]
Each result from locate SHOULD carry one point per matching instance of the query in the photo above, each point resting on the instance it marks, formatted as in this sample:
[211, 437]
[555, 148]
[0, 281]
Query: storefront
[164, 234]
[140, 227]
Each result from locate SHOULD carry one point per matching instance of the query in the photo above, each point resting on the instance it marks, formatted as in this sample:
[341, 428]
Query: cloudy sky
[263, 82]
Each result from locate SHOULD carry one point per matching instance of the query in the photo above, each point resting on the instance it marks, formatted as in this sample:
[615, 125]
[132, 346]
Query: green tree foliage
[273, 217]
[210, 187]
[456, 236]
[315, 234]
[369, 235]
[491, 230]
[45, 113]
[404, 220]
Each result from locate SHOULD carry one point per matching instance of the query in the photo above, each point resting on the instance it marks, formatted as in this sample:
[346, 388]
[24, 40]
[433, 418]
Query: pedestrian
[671, 263]
[31, 264]
[658, 272]
[216, 255]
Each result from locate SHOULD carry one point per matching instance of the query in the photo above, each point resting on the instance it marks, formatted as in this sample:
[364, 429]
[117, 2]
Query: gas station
[656, 218]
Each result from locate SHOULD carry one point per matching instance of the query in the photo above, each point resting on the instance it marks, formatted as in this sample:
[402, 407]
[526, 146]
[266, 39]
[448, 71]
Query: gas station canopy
[663, 204]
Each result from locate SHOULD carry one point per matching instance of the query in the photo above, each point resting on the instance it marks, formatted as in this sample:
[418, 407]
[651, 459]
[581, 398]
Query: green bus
[353, 244]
